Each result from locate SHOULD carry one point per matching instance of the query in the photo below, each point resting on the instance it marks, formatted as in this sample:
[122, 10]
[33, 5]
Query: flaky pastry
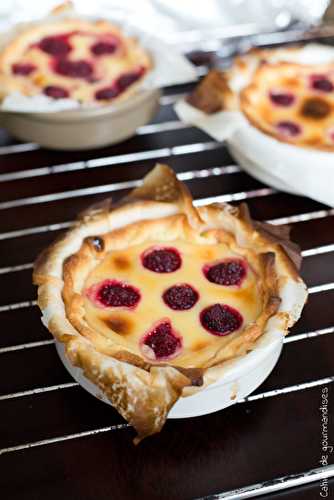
[152, 296]
[88, 61]
[279, 91]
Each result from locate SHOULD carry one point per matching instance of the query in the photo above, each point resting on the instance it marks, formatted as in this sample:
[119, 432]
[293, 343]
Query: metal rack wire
[24, 191]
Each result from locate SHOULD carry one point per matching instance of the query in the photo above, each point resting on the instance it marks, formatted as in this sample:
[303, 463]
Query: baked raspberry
[73, 69]
[128, 79]
[118, 86]
[221, 319]
[23, 69]
[102, 48]
[322, 83]
[57, 46]
[330, 134]
[161, 260]
[113, 293]
[180, 297]
[230, 272]
[56, 92]
[282, 98]
[162, 342]
[107, 93]
[288, 129]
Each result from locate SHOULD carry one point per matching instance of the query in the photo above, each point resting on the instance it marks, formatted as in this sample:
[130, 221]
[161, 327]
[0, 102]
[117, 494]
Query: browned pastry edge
[212, 94]
[276, 234]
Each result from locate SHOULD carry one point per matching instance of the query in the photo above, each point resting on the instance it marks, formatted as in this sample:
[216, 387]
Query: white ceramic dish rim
[91, 113]
[304, 171]
[299, 170]
[269, 344]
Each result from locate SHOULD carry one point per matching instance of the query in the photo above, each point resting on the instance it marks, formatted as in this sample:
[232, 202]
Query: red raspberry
[229, 272]
[55, 45]
[162, 260]
[113, 293]
[180, 297]
[221, 319]
[23, 69]
[163, 341]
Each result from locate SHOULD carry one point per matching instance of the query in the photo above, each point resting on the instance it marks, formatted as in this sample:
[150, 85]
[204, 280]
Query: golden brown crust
[212, 94]
[279, 235]
[142, 398]
[142, 391]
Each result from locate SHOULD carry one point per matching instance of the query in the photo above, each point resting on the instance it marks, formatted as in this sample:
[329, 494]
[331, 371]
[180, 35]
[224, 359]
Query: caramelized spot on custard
[201, 344]
[241, 64]
[315, 108]
[119, 324]
[314, 140]
[246, 295]
[121, 262]
[206, 253]
[292, 82]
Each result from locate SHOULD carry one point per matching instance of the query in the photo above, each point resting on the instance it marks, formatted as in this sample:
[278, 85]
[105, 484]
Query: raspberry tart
[152, 296]
[280, 91]
[88, 61]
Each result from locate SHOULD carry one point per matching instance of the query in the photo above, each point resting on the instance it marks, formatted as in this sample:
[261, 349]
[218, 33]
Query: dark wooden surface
[248, 443]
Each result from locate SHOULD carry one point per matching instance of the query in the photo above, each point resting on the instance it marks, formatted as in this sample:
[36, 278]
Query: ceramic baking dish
[84, 128]
[241, 377]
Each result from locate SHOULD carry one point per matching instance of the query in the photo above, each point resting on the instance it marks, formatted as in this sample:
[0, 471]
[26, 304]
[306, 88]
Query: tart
[279, 91]
[88, 61]
[151, 296]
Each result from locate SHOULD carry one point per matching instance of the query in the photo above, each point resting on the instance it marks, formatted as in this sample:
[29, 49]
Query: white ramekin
[240, 377]
[298, 170]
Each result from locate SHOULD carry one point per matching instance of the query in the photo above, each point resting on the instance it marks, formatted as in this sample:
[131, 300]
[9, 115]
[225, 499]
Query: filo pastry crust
[161, 209]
